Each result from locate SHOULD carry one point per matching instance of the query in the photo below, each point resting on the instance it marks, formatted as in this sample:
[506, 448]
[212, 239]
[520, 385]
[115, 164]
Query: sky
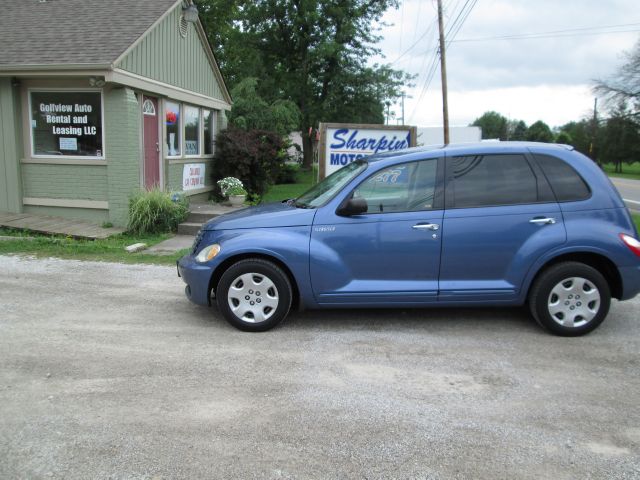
[548, 77]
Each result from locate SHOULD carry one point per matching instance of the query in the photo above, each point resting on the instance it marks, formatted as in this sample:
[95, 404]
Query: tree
[563, 138]
[493, 125]
[623, 89]
[581, 135]
[251, 112]
[539, 132]
[314, 53]
[519, 131]
[619, 140]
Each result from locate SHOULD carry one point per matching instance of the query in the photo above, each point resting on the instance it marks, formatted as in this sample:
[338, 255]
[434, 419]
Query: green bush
[154, 211]
[255, 157]
[287, 174]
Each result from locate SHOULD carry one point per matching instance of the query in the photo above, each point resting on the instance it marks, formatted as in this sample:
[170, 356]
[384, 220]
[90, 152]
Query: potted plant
[233, 189]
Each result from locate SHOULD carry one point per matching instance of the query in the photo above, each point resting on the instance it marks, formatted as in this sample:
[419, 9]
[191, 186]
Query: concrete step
[189, 228]
[200, 213]
[198, 217]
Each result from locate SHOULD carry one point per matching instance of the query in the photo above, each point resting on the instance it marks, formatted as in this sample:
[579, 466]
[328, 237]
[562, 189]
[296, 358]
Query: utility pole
[402, 109]
[443, 75]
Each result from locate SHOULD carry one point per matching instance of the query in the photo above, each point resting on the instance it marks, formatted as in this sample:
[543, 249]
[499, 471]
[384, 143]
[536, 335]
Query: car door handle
[426, 226]
[543, 221]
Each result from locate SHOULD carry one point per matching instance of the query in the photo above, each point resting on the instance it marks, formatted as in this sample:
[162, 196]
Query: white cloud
[547, 78]
[556, 105]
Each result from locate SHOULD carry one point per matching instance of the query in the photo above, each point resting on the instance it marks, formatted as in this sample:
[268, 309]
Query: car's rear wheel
[570, 299]
[254, 295]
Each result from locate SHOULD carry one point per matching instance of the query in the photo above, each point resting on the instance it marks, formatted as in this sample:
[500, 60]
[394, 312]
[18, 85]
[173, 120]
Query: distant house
[99, 98]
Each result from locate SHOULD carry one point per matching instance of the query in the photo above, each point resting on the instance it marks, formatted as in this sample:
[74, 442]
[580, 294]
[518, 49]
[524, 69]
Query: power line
[452, 24]
[457, 25]
[427, 32]
[573, 32]
[455, 28]
[401, 24]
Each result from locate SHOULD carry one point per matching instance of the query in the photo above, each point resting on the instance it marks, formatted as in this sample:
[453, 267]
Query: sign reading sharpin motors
[343, 143]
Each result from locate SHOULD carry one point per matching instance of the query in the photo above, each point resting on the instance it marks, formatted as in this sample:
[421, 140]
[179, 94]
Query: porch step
[198, 217]
[189, 228]
[200, 213]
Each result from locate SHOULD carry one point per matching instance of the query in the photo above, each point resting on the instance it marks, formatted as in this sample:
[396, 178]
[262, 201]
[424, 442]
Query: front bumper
[197, 277]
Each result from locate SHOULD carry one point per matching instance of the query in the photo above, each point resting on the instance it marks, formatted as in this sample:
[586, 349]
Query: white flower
[228, 183]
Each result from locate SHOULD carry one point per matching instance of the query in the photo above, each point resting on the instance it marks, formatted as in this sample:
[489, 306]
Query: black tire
[269, 296]
[563, 314]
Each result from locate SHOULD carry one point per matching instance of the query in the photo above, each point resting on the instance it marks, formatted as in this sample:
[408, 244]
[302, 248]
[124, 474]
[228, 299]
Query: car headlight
[207, 253]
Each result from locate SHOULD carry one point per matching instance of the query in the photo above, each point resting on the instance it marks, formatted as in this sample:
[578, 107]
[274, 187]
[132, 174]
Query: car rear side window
[566, 183]
[493, 180]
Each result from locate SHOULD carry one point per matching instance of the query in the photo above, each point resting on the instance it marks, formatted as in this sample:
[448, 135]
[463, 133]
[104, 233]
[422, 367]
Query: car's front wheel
[254, 295]
[570, 299]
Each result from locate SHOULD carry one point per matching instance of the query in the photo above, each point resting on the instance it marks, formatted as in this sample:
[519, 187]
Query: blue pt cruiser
[483, 224]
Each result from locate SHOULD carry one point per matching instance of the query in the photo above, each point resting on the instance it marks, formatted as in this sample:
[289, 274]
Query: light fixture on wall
[190, 13]
[96, 82]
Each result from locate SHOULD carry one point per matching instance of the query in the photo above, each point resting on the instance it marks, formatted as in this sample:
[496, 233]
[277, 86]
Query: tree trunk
[307, 150]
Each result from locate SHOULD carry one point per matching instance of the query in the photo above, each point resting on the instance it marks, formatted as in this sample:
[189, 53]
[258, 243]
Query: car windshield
[321, 193]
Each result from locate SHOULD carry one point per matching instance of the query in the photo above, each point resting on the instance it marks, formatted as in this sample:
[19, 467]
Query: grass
[636, 219]
[107, 250]
[628, 170]
[305, 179]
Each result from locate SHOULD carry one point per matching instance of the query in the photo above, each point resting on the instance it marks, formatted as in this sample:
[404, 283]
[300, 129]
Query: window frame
[438, 191]
[534, 159]
[180, 128]
[182, 106]
[200, 131]
[72, 90]
[213, 132]
[535, 170]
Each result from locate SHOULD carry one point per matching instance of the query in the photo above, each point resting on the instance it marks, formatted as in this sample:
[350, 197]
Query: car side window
[566, 183]
[402, 188]
[493, 180]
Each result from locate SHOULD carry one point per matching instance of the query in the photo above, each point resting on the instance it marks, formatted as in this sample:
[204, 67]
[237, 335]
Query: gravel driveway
[107, 371]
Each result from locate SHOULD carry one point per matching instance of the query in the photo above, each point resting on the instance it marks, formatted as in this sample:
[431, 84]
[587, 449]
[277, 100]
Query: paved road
[630, 191]
[106, 371]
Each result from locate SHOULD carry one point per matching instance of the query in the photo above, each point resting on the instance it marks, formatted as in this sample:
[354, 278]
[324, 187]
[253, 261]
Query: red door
[151, 142]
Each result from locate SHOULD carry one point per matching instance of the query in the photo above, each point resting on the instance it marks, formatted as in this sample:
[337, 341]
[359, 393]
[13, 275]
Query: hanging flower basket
[172, 118]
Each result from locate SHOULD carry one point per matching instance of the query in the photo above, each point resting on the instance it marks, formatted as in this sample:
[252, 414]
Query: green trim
[10, 148]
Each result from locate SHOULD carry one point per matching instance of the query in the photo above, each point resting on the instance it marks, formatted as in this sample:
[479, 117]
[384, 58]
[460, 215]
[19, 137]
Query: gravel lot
[107, 371]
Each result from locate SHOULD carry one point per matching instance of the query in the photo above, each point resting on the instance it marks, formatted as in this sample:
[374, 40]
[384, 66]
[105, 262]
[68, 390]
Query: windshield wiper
[300, 204]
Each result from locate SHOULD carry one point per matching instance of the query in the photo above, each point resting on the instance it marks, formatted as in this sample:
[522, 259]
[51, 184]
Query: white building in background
[435, 135]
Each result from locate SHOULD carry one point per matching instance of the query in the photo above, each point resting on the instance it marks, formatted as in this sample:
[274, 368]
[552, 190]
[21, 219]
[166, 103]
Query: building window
[66, 123]
[209, 131]
[191, 130]
[173, 128]
[198, 128]
[148, 108]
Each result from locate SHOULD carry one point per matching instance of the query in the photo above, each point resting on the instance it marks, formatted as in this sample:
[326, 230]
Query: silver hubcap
[253, 297]
[574, 302]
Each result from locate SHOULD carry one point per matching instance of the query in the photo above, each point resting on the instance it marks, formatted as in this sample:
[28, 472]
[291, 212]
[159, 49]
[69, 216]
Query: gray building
[99, 98]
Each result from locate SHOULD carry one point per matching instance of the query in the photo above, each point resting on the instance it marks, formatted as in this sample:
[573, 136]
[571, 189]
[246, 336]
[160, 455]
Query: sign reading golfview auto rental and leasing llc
[343, 143]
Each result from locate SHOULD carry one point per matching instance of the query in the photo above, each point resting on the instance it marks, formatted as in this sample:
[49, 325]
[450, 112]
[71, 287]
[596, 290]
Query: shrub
[255, 157]
[287, 174]
[154, 211]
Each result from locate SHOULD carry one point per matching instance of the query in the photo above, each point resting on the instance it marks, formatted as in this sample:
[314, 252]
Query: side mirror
[353, 206]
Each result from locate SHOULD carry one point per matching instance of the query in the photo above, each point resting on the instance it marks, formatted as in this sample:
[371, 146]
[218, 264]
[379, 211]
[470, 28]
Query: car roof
[475, 148]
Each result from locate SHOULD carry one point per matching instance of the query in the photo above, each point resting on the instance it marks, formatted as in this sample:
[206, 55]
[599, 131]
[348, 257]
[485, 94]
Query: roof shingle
[71, 32]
